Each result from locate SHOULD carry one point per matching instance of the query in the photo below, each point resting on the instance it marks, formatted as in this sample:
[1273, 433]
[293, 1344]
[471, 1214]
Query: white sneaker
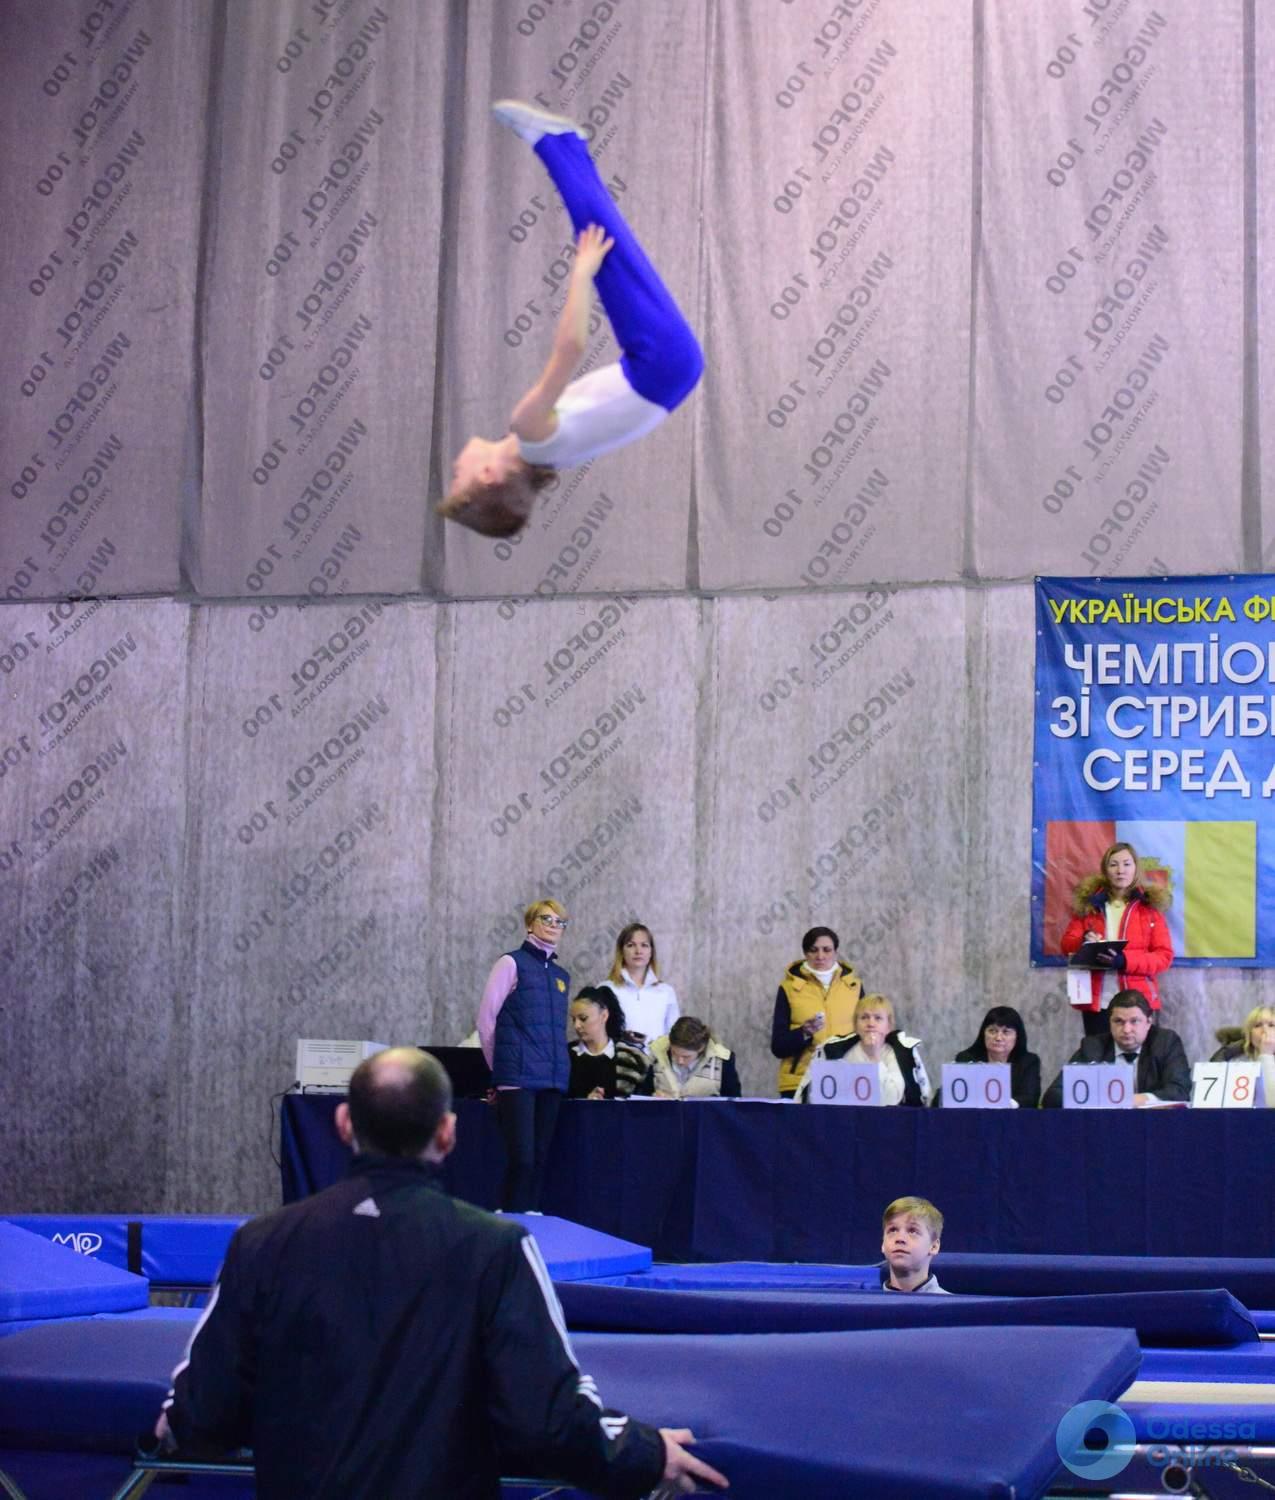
[530, 123]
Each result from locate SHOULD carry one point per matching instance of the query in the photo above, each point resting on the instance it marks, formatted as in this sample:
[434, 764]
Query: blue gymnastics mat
[573, 1252]
[170, 1249]
[187, 1250]
[753, 1276]
[1177, 1319]
[776, 1412]
[40, 1280]
[948, 1414]
[1252, 1281]
[1246, 1364]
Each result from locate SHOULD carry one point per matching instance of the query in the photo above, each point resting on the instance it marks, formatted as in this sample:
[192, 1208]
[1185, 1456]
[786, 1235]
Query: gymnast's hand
[591, 250]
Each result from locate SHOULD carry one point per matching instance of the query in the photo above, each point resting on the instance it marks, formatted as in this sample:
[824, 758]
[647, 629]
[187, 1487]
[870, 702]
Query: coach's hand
[683, 1469]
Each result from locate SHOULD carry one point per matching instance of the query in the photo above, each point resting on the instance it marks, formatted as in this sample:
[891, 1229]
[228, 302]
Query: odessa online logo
[1096, 1440]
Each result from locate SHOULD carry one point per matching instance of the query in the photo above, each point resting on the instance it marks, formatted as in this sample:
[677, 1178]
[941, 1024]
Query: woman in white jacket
[649, 1004]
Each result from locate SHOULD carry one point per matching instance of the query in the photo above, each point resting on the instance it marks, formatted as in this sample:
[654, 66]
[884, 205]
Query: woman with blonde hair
[649, 1003]
[1257, 1038]
[1116, 904]
[522, 1021]
[876, 1039]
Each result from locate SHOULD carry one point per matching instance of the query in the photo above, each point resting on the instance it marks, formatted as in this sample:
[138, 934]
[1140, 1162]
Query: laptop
[465, 1066]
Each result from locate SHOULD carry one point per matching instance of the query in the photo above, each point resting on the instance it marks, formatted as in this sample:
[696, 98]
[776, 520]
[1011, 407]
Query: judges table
[751, 1180]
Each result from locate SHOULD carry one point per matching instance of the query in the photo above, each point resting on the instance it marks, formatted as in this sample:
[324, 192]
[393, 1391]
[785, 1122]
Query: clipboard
[1099, 955]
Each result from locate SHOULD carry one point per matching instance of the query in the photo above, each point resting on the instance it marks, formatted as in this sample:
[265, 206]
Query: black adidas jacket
[382, 1339]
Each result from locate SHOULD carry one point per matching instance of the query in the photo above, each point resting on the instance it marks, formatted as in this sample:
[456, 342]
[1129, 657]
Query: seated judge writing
[875, 1039]
[1163, 1072]
[690, 1063]
[1002, 1038]
[603, 1064]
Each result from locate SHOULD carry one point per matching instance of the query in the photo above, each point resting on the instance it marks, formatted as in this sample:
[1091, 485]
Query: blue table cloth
[754, 1181]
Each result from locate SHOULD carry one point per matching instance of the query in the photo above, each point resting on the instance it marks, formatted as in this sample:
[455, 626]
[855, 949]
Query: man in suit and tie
[1163, 1072]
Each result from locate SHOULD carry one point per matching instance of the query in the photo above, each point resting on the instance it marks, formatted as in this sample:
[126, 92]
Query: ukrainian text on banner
[1155, 726]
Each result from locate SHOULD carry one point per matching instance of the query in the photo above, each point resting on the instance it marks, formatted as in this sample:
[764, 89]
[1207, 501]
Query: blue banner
[1155, 726]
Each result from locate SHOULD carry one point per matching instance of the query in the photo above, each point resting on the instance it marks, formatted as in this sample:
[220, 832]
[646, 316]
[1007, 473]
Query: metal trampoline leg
[137, 1483]
[10, 1489]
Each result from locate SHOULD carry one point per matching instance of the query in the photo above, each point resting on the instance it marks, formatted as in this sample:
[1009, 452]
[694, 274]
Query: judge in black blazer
[1002, 1037]
[1163, 1071]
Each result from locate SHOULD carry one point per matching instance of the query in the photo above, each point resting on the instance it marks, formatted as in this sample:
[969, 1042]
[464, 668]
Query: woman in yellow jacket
[815, 1000]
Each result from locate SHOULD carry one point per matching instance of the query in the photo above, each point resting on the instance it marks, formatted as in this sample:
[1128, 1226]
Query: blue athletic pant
[662, 357]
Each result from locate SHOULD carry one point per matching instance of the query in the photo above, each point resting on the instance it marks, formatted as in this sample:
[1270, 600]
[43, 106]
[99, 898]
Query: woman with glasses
[522, 1022]
[815, 1001]
[1002, 1038]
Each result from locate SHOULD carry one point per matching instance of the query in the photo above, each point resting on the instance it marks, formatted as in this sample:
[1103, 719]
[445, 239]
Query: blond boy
[910, 1234]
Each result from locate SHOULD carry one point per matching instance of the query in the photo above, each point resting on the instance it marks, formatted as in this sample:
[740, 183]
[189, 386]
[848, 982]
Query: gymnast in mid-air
[561, 422]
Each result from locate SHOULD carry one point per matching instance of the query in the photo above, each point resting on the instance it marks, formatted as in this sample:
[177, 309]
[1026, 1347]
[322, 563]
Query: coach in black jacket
[384, 1340]
[1163, 1071]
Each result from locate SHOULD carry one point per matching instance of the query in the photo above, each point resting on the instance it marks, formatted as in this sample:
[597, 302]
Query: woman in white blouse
[650, 1005]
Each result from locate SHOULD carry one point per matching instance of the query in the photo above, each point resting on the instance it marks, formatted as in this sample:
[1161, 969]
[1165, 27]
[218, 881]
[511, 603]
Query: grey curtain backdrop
[981, 287]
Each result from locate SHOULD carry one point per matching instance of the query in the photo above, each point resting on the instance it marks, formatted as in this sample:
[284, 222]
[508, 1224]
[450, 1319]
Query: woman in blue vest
[522, 1026]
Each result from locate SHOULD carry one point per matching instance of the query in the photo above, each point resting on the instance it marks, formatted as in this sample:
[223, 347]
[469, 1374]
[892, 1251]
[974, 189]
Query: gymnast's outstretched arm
[534, 417]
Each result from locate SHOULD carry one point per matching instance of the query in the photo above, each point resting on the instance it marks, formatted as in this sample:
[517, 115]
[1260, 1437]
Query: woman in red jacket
[1115, 904]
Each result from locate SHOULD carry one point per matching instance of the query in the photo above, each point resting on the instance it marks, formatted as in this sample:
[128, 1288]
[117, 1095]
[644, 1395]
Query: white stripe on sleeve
[540, 1271]
[190, 1344]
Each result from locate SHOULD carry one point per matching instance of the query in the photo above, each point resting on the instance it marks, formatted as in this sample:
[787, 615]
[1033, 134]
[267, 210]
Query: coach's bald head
[400, 1104]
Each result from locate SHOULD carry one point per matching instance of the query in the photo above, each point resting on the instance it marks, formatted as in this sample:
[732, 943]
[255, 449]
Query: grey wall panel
[832, 801]
[92, 823]
[996, 868]
[622, 521]
[321, 297]
[309, 862]
[102, 118]
[838, 277]
[1109, 379]
[570, 743]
